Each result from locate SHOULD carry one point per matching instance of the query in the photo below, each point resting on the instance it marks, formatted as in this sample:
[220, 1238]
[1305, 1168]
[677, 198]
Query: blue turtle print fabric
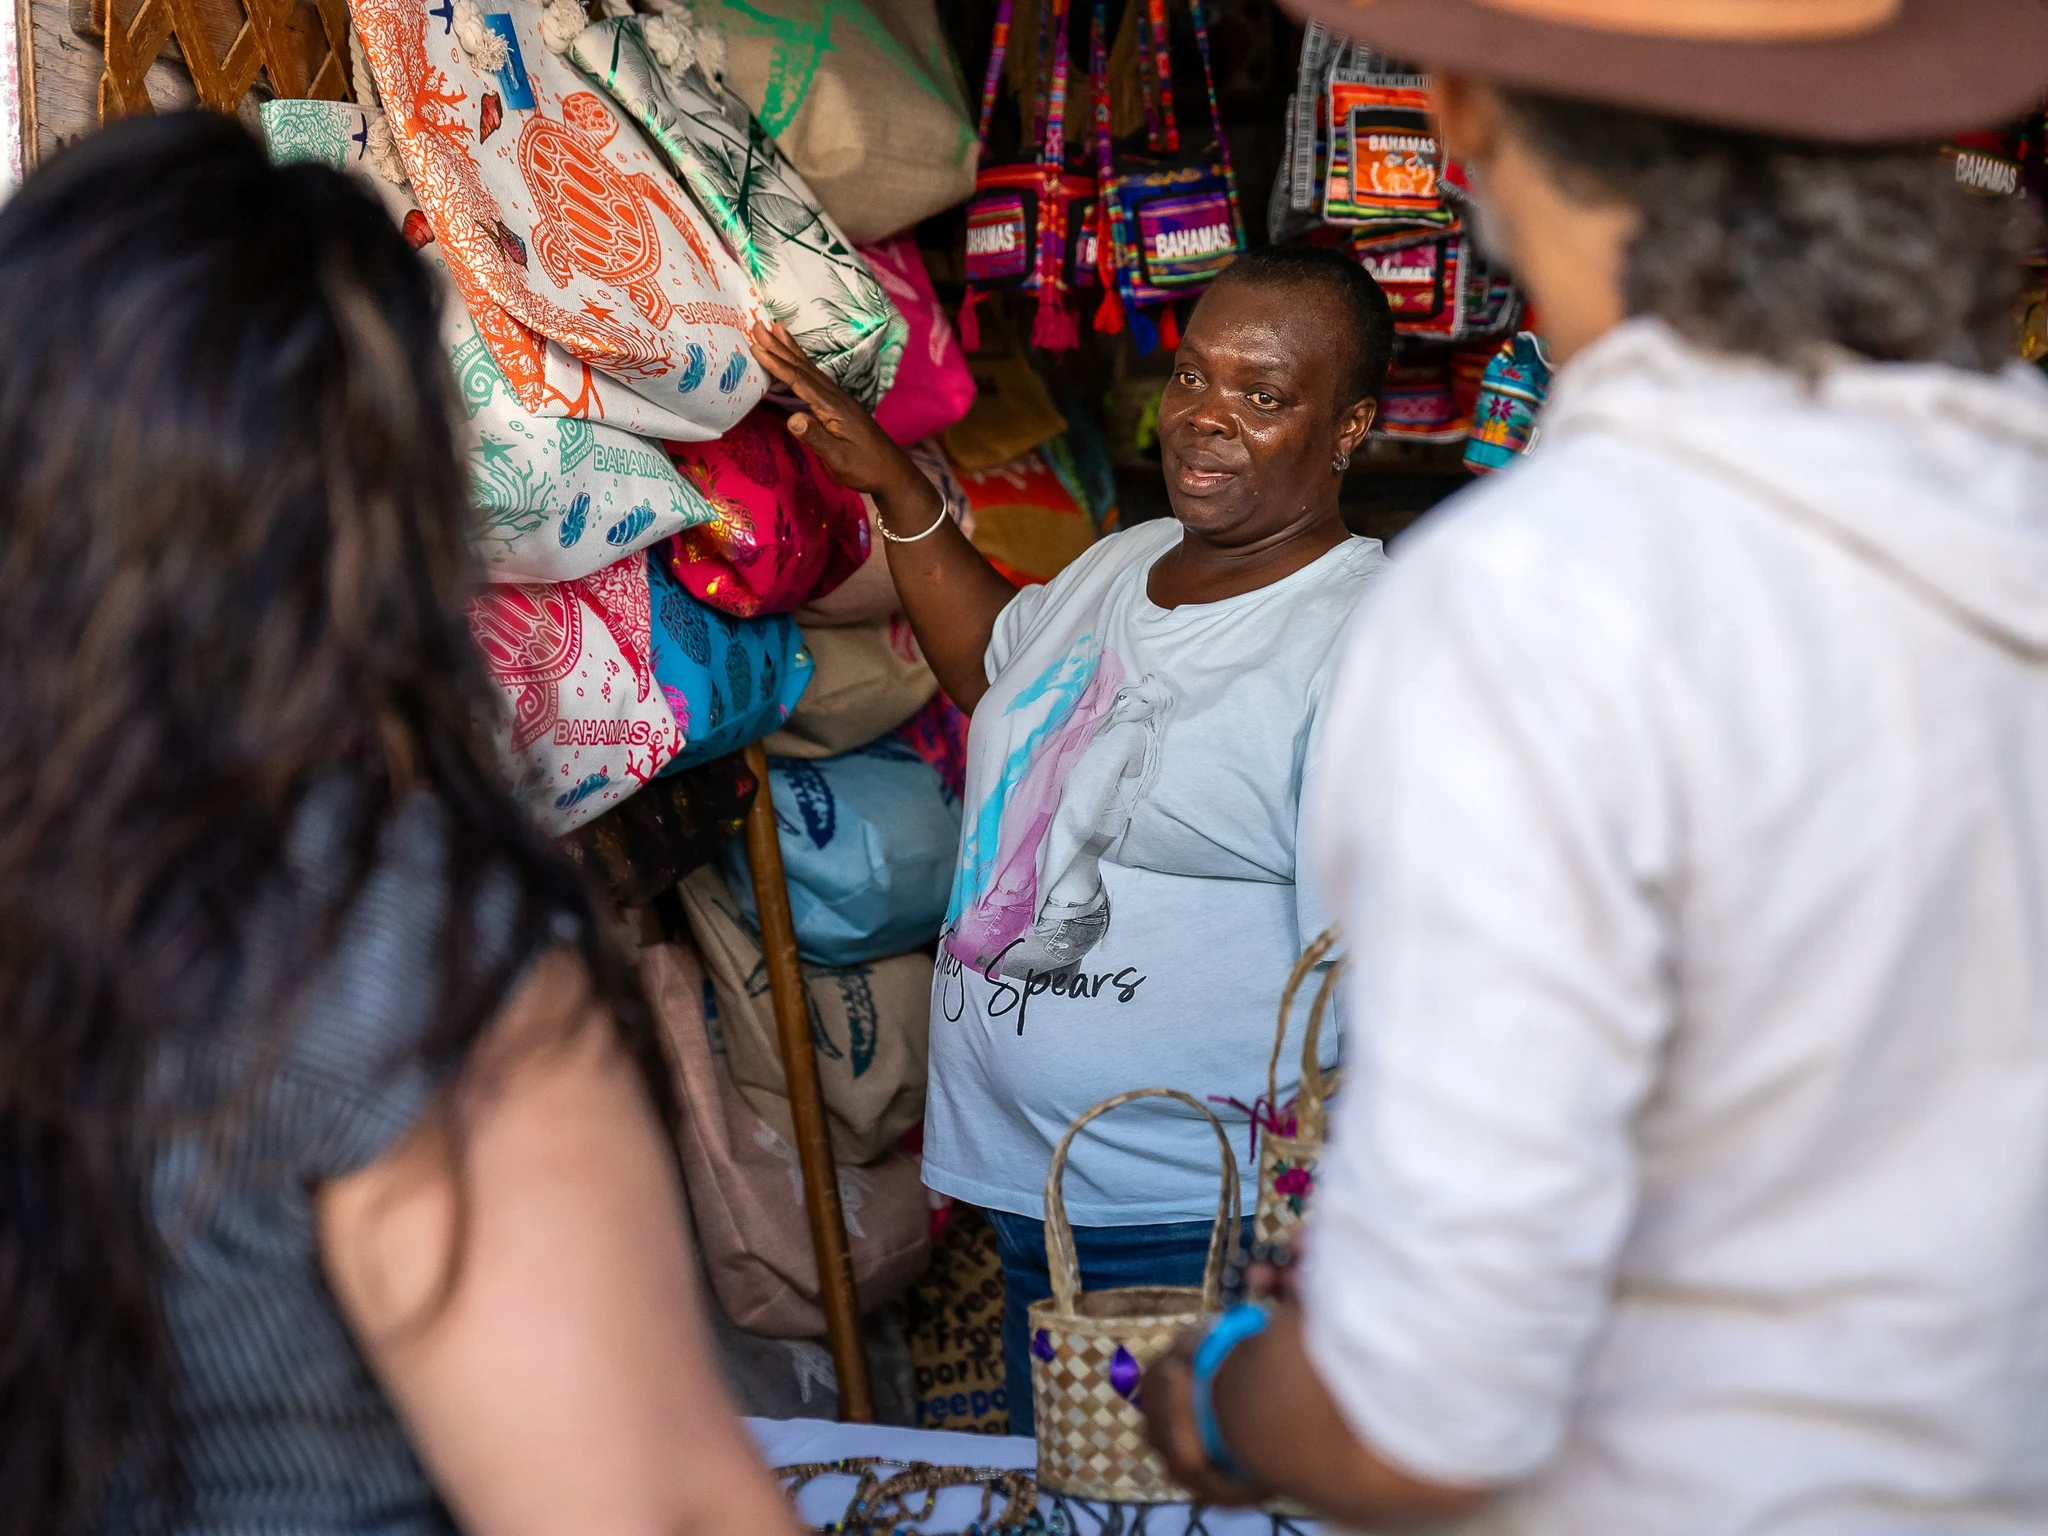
[729, 681]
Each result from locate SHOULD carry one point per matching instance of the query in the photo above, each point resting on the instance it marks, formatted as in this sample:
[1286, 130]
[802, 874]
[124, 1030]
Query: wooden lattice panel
[300, 47]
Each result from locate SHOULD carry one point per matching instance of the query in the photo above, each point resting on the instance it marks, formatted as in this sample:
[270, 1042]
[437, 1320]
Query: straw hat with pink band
[1844, 71]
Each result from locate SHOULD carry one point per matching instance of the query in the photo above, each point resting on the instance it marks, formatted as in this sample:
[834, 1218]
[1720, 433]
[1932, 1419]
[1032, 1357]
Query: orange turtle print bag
[558, 221]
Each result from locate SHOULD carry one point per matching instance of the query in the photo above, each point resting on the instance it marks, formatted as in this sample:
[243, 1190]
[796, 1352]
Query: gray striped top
[285, 1432]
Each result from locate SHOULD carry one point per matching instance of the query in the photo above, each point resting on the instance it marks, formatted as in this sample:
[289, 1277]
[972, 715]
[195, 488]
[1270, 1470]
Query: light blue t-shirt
[1125, 910]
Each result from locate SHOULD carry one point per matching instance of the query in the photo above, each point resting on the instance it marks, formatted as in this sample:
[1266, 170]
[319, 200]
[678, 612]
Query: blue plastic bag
[729, 681]
[868, 839]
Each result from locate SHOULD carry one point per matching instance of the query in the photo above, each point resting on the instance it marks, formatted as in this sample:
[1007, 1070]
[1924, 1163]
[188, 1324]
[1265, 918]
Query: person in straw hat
[1685, 803]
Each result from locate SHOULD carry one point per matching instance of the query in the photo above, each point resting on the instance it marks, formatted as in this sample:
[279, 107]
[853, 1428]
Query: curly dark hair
[232, 567]
[1784, 249]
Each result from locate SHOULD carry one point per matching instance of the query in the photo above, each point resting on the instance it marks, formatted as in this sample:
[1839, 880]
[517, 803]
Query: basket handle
[1308, 1106]
[1311, 957]
[1060, 1257]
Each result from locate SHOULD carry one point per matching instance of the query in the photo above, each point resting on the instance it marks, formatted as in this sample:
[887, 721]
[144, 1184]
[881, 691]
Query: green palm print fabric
[806, 273]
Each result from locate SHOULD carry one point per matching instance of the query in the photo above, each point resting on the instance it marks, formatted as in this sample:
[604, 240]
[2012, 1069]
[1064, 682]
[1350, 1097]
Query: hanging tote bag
[746, 1190]
[1166, 226]
[933, 388]
[870, 1025]
[554, 499]
[1291, 1143]
[807, 275]
[868, 840]
[727, 681]
[783, 532]
[556, 217]
[870, 678]
[862, 95]
[584, 724]
[1089, 1351]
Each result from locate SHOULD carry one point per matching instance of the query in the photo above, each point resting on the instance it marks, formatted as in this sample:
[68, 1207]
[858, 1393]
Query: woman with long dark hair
[333, 1186]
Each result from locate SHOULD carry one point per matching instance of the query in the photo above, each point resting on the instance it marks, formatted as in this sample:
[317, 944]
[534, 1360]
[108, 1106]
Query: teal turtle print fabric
[807, 274]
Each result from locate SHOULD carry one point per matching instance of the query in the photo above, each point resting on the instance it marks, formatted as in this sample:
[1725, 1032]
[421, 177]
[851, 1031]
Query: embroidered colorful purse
[556, 498]
[806, 273]
[1510, 396]
[585, 724]
[1165, 226]
[1424, 281]
[556, 217]
[1021, 221]
[728, 682]
[1386, 161]
[783, 533]
[933, 388]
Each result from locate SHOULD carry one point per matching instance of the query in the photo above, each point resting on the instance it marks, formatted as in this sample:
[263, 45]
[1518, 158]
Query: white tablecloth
[784, 1442]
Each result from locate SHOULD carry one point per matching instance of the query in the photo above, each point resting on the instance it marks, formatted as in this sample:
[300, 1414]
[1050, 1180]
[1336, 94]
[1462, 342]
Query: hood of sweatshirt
[1935, 475]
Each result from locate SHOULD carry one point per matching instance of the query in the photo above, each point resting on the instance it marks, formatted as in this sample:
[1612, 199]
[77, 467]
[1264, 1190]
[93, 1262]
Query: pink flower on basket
[1293, 1181]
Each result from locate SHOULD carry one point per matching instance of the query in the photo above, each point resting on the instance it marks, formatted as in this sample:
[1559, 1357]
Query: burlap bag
[746, 1191]
[1089, 1351]
[863, 96]
[1287, 1162]
[870, 1024]
[869, 679]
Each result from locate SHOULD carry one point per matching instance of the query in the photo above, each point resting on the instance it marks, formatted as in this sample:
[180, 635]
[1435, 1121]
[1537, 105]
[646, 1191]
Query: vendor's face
[1251, 422]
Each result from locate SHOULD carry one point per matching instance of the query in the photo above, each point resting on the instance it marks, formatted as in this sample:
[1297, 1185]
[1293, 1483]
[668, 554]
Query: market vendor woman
[1126, 904]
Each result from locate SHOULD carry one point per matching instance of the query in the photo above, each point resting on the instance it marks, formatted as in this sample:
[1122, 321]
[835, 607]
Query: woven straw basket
[1089, 1352]
[1287, 1164]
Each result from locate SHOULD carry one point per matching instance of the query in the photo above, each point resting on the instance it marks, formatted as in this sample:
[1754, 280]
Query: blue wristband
[1229, 1330]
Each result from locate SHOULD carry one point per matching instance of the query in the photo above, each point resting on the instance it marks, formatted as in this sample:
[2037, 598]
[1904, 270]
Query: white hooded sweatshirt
[1685, 800]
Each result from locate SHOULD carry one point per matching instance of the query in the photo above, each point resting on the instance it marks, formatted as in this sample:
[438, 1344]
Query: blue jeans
[1170, 1253]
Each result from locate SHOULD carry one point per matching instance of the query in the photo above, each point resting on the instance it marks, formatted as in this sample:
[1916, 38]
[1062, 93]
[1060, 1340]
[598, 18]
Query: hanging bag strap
[1062, 1261]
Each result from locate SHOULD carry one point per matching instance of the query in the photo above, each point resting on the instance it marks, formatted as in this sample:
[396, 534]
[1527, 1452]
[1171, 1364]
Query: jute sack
[746, 1191]
[862, 95]
[1291, 1139]
[869, 1023]
[870, 678]
[1089, 1351]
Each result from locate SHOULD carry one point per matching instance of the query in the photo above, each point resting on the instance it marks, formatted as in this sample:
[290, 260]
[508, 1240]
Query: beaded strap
[1215, 111]
[1162, 71]
[998, 46]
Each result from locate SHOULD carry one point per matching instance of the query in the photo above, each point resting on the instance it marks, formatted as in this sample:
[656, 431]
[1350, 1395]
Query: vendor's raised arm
[950, 594]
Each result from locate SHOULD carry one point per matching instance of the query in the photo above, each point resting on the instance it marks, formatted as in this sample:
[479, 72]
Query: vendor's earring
[1341, 463]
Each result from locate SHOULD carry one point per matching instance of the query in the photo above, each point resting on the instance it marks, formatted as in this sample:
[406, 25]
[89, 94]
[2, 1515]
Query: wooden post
[807, 1104]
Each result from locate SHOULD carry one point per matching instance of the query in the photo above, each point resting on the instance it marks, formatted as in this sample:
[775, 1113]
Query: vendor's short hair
[1785, 249]
[1365, 307]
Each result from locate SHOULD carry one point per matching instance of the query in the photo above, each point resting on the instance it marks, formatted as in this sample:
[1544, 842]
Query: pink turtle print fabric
[585, 724]
[560, 223]
[783, 534]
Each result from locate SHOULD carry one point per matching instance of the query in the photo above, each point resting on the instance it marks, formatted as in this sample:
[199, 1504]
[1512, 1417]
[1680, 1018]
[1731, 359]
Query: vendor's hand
[836, 427]
[1170, 1426]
